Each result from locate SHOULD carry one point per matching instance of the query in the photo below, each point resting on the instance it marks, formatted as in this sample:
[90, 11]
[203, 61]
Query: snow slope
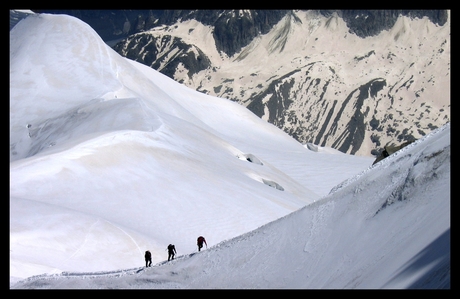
[109, 158]
[387, 227]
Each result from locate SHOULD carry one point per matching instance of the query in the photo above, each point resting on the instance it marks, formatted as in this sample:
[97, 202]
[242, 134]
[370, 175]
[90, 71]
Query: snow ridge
[387, 161]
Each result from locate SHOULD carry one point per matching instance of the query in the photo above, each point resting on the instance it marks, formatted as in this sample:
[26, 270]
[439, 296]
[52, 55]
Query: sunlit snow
[109, 158]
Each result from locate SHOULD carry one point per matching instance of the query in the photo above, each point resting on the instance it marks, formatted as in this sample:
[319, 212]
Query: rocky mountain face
[354, 80]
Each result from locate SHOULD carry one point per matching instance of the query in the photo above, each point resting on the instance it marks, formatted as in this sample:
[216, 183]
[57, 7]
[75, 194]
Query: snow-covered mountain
[108, 153]
[351, 80]
[109, 158]
[387, 227]
[317, 81]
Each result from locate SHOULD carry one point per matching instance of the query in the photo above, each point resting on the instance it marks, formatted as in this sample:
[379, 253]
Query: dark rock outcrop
[163, 53]
[366, 23]
[234, 29]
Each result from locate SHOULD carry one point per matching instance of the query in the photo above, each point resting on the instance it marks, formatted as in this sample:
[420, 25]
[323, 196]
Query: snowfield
[109, 158]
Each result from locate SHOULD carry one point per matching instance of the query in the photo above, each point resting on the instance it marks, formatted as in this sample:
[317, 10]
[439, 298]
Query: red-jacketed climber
[200, 241]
